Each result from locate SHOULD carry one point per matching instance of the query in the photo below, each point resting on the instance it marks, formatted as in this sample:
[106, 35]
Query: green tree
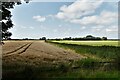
[104, 38]
[89, 36]
[5, 17]
[43, 38]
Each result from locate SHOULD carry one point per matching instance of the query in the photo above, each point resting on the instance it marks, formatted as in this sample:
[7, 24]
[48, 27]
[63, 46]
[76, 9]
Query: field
[33, 60]
[101, 49]
[105, 53]
[92, 43]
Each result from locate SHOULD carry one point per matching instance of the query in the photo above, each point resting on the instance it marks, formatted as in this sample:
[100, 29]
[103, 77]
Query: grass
[105, 52]
[62, 72]
[102, 61]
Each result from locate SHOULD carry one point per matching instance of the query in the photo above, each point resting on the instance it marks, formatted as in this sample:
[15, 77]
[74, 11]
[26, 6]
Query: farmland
[29, 59]
[92, 43]
[102, 49]
[33, 59]
[105, 52]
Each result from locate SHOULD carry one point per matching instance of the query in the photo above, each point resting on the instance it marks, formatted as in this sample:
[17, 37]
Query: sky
[65, 19]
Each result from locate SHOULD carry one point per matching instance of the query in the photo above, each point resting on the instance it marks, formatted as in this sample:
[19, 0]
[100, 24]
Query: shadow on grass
[81, 69]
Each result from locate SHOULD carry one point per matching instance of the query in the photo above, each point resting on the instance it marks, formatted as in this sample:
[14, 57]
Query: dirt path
[36, 53]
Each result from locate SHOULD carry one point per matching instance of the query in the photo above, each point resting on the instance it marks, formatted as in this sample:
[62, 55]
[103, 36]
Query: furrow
[25, 49]
[20, 50]
[16, 49]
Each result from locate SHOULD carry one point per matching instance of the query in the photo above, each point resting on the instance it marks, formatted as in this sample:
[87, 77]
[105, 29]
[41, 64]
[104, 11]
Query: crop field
[97, 52]
[91, 43]
[33, 60]
[102, 49]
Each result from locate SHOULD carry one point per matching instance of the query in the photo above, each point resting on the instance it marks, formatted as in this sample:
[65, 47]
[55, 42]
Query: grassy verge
[101, 61]
[84, 69]
[104, 52]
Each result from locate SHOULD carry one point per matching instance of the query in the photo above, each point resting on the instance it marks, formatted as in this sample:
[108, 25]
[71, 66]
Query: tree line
[88, 37]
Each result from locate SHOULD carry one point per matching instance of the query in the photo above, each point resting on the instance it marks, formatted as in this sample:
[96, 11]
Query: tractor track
[19, 50]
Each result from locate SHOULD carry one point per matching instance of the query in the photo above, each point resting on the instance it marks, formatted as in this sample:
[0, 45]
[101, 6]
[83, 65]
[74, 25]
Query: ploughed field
[26, 57]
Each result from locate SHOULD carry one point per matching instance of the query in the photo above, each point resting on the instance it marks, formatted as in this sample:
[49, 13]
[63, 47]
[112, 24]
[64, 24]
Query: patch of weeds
[87, 63]
[64, 67]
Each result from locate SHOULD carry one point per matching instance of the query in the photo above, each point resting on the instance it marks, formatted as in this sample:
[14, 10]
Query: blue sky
[65, 19]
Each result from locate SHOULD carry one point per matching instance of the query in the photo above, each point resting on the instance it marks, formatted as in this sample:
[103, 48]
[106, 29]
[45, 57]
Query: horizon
[65, 19]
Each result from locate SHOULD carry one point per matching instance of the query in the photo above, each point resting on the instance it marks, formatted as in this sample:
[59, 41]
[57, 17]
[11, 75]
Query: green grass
[104, 52]
[91, 43]
[62, 72]
[102, 60]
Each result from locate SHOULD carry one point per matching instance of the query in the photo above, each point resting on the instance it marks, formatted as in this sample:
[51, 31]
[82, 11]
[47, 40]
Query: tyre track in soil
[19, 50]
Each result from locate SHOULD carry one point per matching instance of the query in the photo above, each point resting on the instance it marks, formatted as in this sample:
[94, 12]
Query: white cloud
[39, 18]
[82, 12]
[83, 27]
[43, 27]
[55, 30]
[78, 9]
[31, 27]
[105, 18]
[98, 29]
[26, 27]
[112, 29]
[60, 25]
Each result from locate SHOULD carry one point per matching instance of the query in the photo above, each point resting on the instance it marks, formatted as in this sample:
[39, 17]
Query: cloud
[83, 27]
[31, 27]
[39, 18]
[105, 18]
[78, 9]
[26, 27]
[84, 13]
[98, 29]
[112, 29]
[59, 25]
[55, 30]
[43, 27]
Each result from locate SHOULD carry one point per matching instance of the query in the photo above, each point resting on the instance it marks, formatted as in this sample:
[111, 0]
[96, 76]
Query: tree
[43, 38]
[89, 36]
[7, 35]
[5, 17]
[104, 38]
